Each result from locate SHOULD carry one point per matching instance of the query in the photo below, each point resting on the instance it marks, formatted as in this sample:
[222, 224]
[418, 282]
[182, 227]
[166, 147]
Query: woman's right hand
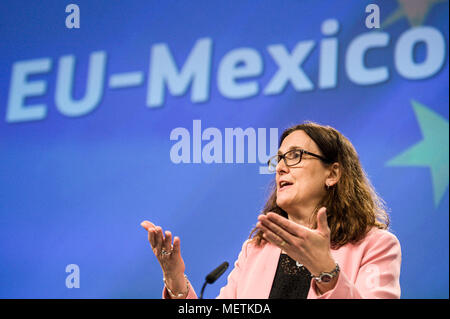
[168, 255]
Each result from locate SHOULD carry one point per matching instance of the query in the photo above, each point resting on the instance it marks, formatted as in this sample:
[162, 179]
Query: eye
[295, 154]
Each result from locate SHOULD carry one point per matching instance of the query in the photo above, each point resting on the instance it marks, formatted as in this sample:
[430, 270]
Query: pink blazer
[369, 269]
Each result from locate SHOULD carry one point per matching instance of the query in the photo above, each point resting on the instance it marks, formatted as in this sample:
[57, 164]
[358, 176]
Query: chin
[283, 203]
[286, 201]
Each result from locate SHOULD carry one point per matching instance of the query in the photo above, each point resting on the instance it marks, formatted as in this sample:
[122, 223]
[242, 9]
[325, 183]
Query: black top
[291, 281]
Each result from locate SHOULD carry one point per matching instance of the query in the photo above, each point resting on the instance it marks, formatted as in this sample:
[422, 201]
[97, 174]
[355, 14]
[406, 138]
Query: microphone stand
[203, 289]
[213, 276]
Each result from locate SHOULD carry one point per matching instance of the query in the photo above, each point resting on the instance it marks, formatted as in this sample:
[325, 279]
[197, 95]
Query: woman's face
[307, 178]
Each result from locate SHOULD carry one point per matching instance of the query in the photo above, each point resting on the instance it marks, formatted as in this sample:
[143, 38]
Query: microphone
[214, 275]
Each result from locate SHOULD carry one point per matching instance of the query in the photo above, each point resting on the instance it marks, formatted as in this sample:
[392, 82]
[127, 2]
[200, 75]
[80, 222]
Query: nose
[281, 168]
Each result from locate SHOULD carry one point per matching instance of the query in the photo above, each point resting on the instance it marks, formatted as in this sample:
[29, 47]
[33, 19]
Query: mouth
[283, 185]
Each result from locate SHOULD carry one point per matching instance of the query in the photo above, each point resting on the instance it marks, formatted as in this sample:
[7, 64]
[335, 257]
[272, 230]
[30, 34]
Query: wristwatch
[327, 276]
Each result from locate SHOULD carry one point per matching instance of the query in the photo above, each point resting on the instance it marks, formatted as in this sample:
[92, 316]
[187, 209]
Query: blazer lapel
[269, 267]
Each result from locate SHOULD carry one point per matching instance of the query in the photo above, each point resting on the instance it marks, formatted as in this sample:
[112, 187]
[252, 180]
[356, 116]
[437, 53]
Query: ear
[334, 174]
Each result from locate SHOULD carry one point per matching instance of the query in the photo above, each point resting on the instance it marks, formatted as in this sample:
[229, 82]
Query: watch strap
[327, 276]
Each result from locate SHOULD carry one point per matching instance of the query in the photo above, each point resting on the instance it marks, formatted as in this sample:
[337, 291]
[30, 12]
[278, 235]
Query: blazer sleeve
[228, 291]
[378, 275]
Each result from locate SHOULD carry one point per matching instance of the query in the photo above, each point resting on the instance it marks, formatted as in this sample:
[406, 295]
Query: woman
[322, 233]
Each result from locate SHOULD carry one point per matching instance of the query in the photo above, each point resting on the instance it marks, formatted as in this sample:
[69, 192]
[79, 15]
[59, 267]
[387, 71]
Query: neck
[301, 215]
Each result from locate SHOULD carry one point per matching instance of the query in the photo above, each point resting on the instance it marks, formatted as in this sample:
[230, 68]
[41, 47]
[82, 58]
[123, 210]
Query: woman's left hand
[310, 247]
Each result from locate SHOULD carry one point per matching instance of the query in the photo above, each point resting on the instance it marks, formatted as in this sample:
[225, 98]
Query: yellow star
[415, 11]
[431, 151]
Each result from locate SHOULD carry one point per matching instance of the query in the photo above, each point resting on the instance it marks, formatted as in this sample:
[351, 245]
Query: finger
[270, 235]
[176, 245]
[277, 230]
[289, 226]
[151, 231]
[322, 223]
[273, 238]
[151, 237]
[147, 225]
[167, 245]
[158, 240]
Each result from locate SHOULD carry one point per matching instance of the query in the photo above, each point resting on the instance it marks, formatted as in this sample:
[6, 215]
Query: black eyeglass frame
[302, 151]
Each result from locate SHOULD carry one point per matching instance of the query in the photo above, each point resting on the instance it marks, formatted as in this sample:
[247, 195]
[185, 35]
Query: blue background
[73, 190]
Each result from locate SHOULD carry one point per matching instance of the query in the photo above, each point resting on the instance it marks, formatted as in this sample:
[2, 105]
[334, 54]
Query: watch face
[325, 278]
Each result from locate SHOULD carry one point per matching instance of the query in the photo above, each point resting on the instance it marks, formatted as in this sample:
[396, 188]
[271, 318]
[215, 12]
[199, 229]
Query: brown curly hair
[353, 206]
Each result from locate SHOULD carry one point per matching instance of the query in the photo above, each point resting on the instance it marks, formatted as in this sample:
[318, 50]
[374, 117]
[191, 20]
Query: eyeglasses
[291, 158]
